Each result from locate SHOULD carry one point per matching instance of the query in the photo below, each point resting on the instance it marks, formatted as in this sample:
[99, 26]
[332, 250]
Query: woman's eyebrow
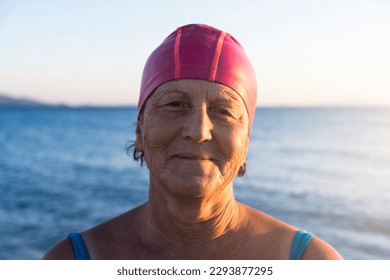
[227, 96]
[165, 93]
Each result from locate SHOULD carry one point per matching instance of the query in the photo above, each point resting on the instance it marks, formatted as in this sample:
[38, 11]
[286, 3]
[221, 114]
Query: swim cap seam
[217, 54]
[176, 53]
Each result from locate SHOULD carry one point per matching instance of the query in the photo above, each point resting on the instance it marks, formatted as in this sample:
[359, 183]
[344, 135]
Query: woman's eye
[223, 112]
[174, 104]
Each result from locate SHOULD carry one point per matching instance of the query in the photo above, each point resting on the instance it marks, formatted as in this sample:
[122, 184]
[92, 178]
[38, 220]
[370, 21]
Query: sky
[305, 53]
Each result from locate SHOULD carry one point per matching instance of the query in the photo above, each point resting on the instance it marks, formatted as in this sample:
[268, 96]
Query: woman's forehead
[192, 87]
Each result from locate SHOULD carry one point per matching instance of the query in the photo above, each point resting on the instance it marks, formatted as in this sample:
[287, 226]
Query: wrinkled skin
[194, 135]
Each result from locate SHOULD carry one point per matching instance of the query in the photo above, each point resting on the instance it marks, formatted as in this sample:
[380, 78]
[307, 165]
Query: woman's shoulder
[319, 249]
[63, 250]
[99, 239]
[105, 241]
[281, 236]
[260, 221]
[125, 222]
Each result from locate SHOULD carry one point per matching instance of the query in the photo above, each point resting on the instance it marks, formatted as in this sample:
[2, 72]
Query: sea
[325, 170]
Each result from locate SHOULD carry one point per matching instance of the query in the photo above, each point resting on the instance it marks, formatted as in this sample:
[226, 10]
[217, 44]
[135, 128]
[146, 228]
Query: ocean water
[323, 170]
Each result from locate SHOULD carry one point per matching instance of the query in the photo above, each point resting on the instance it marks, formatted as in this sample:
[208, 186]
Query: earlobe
[242, 170]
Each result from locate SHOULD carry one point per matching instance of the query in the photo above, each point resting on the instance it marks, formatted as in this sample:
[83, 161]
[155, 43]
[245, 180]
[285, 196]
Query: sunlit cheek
[149, 140]
[240, 150]
[157, 139]
[234, 160]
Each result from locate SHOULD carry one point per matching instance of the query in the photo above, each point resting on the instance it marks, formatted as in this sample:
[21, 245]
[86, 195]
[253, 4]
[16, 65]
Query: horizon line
[23, 102]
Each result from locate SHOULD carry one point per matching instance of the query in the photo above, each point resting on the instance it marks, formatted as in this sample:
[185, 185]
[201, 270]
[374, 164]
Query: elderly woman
[196, 107]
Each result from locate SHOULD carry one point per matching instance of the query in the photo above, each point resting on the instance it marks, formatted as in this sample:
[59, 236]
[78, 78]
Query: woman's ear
[138, 145]
[242, 170]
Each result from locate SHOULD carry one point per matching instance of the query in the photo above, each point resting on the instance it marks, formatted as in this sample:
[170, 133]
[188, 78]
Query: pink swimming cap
[197, 51]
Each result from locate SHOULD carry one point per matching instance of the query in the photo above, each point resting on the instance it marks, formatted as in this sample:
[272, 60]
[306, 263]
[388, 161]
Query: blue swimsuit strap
[301, 240]
[79, 248]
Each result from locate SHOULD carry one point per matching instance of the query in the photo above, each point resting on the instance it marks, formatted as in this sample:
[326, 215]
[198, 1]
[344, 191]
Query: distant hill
[10, 102]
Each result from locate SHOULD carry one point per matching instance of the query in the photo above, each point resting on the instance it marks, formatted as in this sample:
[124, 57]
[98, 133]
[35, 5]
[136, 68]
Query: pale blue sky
[322, 52]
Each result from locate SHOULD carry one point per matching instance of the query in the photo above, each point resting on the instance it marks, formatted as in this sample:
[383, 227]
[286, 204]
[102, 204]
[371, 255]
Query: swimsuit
[79, 248]
[301, 240]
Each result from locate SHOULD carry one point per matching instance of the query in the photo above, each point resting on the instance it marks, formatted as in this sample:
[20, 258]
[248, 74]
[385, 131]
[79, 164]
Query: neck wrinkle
[192, 220]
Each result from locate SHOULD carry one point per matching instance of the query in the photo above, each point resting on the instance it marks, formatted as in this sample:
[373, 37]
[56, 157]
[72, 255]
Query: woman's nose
[198, 125]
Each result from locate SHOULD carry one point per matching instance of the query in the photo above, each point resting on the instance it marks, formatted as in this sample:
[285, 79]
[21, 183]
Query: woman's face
[195, 135]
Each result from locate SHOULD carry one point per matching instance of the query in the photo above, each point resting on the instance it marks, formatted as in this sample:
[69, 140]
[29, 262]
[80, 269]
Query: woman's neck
[191, 220]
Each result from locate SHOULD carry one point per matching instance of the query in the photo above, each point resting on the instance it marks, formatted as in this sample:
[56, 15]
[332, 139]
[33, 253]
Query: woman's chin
[190, 178]
[194, 185]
